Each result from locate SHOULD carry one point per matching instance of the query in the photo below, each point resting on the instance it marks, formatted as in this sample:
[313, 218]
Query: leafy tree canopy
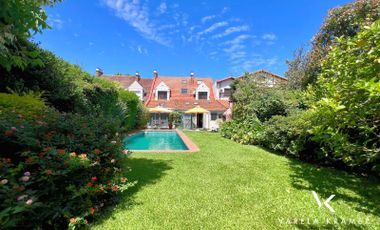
[19, 20]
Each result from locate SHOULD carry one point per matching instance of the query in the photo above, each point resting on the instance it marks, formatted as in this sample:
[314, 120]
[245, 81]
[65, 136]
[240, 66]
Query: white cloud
[142, 50]
[213, 27]
[224, 10]
[162, 8]
[239, 39]
[269, 37]
[230, 30]
[55, 21]
[207, 18]
[137, 16]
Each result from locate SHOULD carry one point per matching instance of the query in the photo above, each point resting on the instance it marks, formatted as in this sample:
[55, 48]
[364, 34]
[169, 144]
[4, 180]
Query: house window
[214, 116]
[202, 95]
[162, 95]
[199, 82]
[184, 81]
[227, 93]
[183, 91]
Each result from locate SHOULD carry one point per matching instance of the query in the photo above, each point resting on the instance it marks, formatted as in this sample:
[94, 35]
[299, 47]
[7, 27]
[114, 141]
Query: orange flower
[29, 160]
[9, 133]
[61, 151]
[73, 220]
[89, 184]
[73, 154]
[97, 151]
[115, 188]
[124, 179]
[94, 178]
[83, 156]
[91, 210]
[19, 188]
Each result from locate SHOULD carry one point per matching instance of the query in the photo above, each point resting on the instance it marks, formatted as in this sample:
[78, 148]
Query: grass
[228, 185]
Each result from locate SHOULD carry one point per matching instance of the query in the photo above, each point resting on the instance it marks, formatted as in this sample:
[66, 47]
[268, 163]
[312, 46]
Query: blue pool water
[154, 140]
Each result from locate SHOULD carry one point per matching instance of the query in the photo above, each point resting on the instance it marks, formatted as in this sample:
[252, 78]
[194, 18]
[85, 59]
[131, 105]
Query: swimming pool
[155, 140]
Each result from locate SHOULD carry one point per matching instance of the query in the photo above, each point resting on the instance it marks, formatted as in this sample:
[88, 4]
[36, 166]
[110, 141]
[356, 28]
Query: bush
[27, 104]
[132, 103]
[57, 169]
[348, 101]
[291, 135]
[68, 88]
[242, 131]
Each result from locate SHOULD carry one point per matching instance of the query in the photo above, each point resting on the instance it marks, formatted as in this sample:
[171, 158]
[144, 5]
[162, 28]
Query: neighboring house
[223, 86]
[140, 86]
[182, 93]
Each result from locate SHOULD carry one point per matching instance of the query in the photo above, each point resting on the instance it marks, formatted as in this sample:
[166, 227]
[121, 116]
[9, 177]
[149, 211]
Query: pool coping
[189, 144]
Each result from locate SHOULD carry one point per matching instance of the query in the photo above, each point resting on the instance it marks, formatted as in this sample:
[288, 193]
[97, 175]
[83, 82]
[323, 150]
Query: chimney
[98, 72]
[155, 73]
[138, 76]
[191, 77]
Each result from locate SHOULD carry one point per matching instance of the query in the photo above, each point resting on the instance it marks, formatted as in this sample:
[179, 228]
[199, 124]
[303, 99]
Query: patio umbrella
[195, 110]
[159, 110]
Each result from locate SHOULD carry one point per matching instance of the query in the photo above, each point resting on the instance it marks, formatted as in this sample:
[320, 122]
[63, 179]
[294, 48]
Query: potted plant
[174, 119]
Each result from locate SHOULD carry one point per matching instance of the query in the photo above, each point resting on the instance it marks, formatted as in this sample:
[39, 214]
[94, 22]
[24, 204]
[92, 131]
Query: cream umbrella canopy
[195, 110]
[159, 110]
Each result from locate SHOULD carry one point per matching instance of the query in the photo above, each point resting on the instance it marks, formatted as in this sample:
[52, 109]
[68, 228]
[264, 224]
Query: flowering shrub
[56, 169]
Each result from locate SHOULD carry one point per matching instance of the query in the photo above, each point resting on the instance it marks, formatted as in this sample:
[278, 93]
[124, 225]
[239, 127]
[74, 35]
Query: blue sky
[211, 38]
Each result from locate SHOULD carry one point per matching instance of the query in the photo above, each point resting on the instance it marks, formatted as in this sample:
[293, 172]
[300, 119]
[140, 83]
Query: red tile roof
[182, 101]
[225, 79]
[127, 80]
[266, 72]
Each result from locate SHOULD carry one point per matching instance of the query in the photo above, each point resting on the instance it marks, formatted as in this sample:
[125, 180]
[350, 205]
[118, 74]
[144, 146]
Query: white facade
[162, 87]
[137, 89]
[202, 88]
[220, 88]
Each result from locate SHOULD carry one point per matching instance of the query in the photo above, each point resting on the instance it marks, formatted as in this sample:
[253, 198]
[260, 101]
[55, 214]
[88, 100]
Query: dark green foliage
[346, 20]
[68, 88]
[57, 166]
[347, 100]
[131, 101]
[175, 118]
[244, 131]
[291, 135]
[19, 20]
[341, 127]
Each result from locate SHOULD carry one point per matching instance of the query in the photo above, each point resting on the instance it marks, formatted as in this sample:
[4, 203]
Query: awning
[159, 109]
[196, 110]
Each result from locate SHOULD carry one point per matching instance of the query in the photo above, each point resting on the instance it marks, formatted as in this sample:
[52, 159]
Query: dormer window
[184, 81]
[162, 92]
[202, 95]
[199, 82]
[202, 92]
[162, 95]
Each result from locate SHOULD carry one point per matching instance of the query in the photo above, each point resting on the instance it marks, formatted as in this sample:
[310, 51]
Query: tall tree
[19, 20]
[345, 21]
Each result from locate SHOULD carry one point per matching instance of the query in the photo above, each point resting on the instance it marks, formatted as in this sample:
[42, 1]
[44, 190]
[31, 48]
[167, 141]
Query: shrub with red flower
[63, 199]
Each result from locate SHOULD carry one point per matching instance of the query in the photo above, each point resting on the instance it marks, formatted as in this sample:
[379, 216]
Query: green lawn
[228, 185]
